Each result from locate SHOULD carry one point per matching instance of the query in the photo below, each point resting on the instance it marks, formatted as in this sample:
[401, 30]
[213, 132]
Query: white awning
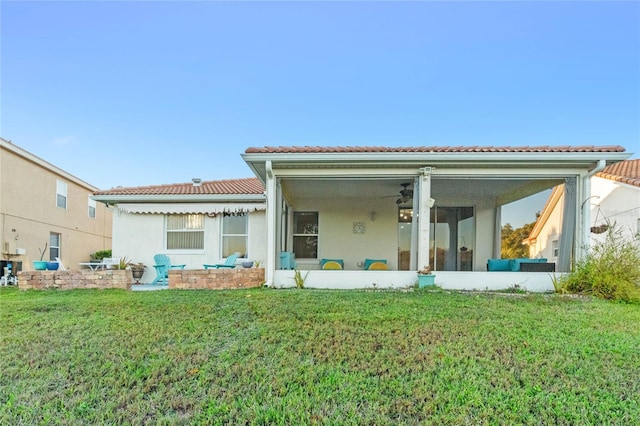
[192, 208]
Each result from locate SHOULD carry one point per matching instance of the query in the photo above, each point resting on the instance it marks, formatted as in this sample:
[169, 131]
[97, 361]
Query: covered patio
[411, 207]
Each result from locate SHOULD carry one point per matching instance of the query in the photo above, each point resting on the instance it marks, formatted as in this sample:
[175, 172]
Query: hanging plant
[600, 229]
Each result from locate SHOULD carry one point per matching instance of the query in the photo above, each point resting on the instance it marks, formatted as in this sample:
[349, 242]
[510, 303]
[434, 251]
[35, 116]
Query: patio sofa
[520, 265]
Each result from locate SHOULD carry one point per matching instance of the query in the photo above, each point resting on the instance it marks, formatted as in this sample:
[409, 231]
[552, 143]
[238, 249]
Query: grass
[266, 356]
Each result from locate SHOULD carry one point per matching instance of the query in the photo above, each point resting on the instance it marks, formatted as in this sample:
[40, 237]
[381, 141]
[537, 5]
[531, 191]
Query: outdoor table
[94, 266]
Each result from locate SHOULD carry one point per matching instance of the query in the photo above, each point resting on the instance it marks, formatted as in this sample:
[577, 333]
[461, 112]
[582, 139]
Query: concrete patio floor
[148, 287]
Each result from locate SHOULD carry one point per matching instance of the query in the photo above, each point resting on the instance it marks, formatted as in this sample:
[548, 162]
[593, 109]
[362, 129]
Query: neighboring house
[614, 198]
[42, 204]
[194, 223]
[411, 207]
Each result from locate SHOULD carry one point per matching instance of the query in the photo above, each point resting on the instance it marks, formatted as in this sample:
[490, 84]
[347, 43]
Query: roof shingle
[428, 149]
[625, 171]
[214, 187]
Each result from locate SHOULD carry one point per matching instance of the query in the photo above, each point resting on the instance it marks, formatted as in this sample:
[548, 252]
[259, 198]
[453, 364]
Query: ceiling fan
[406, 194]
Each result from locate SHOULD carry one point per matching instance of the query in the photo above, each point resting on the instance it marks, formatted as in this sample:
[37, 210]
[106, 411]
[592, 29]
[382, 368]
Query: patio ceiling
[502, 190]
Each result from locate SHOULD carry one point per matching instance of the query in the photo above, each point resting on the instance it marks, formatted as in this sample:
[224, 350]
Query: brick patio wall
[216, 279]
[75, 278]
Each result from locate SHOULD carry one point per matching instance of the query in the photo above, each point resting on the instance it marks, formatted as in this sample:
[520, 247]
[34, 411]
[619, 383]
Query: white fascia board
[310, 161]
[346, 172]
[182, 198]
[502, 173]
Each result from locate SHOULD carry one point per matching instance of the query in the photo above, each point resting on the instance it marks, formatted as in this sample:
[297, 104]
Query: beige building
[42, 204]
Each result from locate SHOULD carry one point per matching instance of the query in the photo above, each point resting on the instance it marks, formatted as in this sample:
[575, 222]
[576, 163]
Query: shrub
[610, 270]
[101, 254]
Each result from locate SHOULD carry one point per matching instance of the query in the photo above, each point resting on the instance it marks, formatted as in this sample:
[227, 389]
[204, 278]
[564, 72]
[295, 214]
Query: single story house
[405, 207]
[614, 199]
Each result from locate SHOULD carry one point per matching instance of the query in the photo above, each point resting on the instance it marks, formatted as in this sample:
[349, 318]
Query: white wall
[380, 241]
[550, 232]
[336, 237]
[618, 202]
[141, 236]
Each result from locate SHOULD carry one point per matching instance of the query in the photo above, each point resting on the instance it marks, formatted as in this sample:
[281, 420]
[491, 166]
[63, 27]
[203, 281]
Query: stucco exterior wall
[550, 232]
[619, 203]
[139, 237]
[28, 211]
[336, 239]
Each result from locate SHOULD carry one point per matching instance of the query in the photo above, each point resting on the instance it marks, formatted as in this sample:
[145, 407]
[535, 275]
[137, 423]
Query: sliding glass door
[452, 241]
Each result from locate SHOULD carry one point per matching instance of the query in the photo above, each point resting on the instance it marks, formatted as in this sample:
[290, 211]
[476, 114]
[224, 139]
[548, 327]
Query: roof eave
[430, 158]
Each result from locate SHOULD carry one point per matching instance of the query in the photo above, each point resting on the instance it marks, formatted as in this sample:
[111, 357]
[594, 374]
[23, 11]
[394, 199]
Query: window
[185, 231]
[305, 235]
[234, 234]
[61, 194]
[554, 248]
[92, 208]
[54, 246]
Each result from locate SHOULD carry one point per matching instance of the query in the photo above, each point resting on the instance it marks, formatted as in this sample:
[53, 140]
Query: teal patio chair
[162, 266]
[229, 263]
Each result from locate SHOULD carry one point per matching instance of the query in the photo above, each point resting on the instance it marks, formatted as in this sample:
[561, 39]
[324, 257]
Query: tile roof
[625, 171]
[214, 187]
[428, 149]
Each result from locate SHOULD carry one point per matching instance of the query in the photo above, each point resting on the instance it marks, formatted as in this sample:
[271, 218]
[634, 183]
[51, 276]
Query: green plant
[101, 254]
[326, 357]
[299, 279]
[257, 263]
[610, 270]
[43, 251]
[425, 271]
[124, 263]
[557, 284]
[136, 266]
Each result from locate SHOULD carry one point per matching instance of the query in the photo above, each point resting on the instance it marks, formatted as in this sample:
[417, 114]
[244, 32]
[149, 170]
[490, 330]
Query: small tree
[511, 245]
[610, 270]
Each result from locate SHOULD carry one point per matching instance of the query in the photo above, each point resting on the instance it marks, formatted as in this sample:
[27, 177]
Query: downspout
[584, 238]
[270, 186]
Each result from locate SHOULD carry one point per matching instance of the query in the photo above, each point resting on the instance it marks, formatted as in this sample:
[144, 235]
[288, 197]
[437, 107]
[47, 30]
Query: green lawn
[315, 357]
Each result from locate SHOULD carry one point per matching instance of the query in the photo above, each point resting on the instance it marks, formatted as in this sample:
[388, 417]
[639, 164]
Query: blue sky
[142, 93]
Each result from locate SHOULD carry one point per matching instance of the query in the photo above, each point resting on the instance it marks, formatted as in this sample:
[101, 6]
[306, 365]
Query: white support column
[424, 213]
[583, 234]
[272, 207]
[497, 234]
[415, 235]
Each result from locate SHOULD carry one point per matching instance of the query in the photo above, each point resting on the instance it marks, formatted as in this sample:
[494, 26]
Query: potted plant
[426, 277]
[137, 270]
[41, 265]
[100, 254]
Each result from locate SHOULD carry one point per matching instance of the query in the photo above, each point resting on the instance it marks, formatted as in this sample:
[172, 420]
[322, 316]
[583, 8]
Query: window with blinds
[185, 231]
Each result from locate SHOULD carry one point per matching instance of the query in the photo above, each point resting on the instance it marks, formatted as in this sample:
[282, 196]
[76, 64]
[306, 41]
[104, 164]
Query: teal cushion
[368, 262]
[323, 261]
[495, 265]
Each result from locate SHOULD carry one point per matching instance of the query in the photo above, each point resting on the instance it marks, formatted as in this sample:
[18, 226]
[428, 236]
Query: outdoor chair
[162, 267]
[111, 262]
[60, 265]
[229, 263]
